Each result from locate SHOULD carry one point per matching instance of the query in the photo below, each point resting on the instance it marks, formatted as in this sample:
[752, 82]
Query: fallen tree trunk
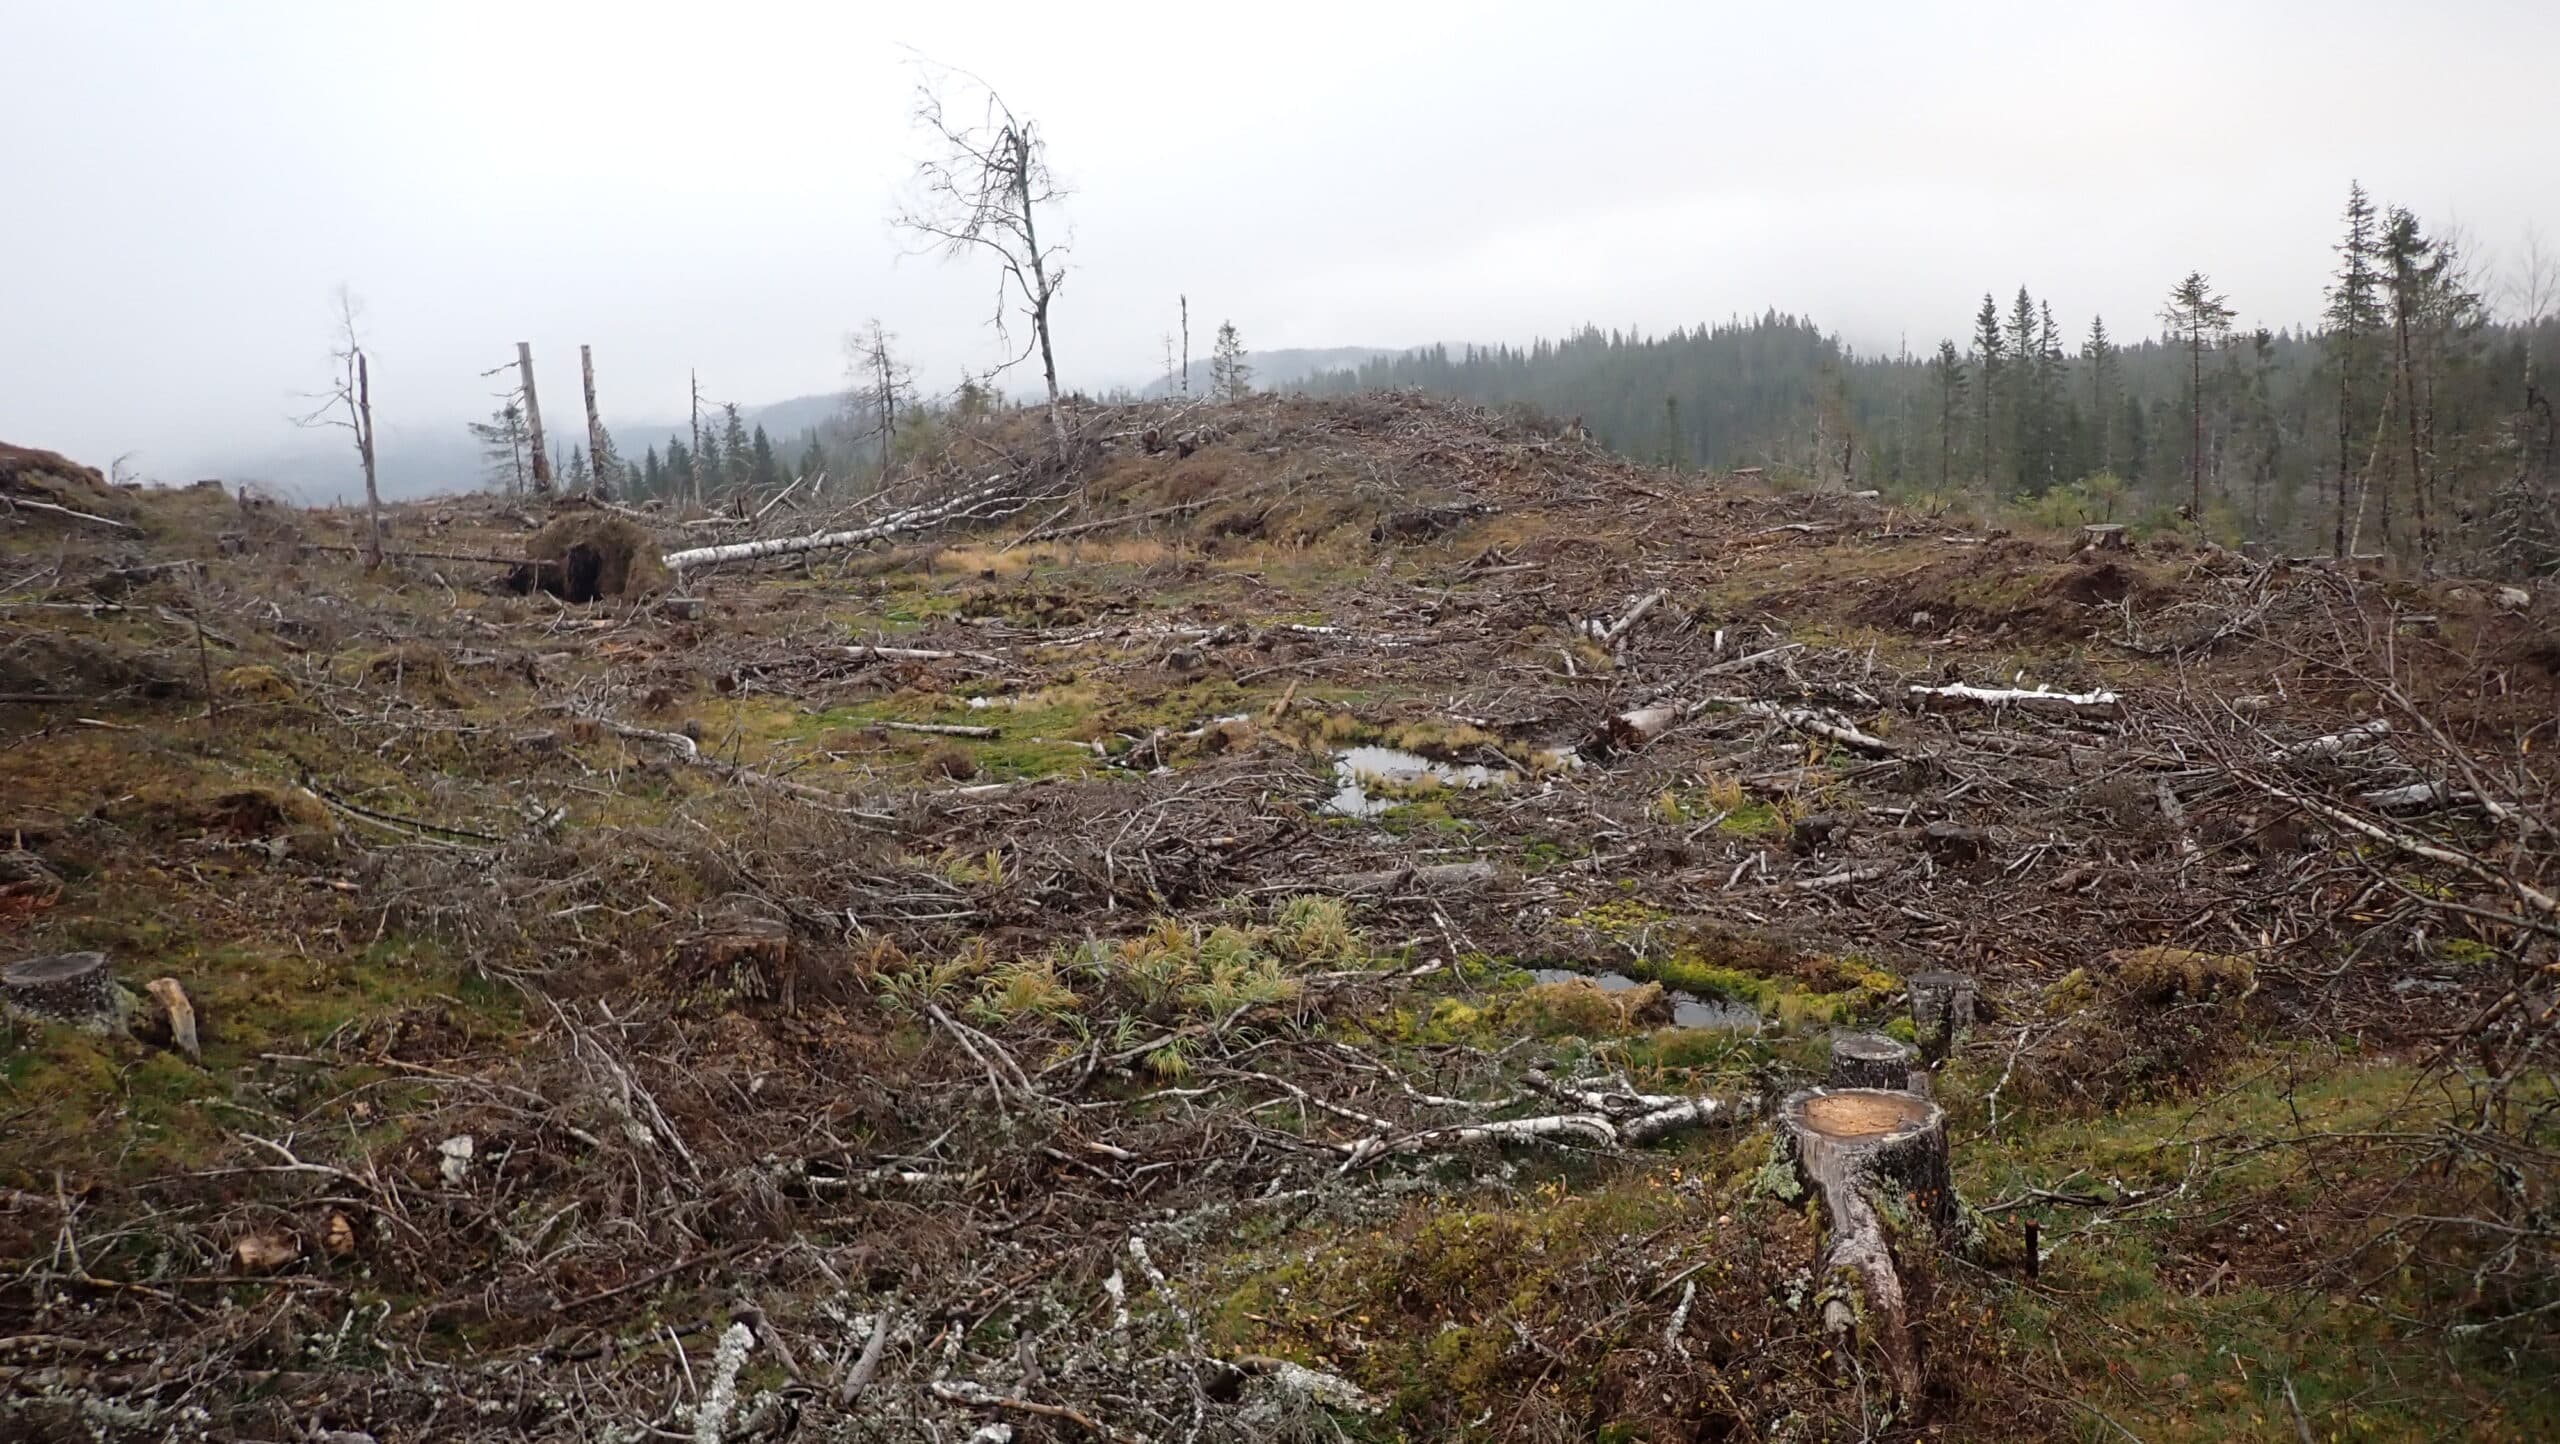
[1610, 636]
[938, 729]
[1961, 697]
[912, 519]
[2362, 735]
[1432, 877]
[1871, 1155]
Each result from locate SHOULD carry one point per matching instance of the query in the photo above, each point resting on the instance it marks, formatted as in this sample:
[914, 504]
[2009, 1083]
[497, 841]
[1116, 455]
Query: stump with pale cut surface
[1870, 1060]
[62, 988]
[1877, 1159]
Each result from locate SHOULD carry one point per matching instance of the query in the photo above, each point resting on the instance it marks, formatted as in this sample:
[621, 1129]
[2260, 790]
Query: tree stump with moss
[63, 988]
[1942, 1005]
[1877, 1159]
[1870, 1060]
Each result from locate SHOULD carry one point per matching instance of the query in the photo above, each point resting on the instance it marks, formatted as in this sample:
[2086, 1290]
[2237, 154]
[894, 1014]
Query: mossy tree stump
[63, 988]
[1877, 1159]
[1870, 1060]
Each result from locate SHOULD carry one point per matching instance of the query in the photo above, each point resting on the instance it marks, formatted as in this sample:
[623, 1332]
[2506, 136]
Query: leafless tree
[349, 403]
[881, 381]
[981, 190]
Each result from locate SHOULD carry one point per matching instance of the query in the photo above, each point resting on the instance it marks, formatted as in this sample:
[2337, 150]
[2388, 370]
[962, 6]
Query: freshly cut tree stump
[1870, 1060]
[1942, 1004]
[63, 988]
[1878, 1161]
[2105, 537]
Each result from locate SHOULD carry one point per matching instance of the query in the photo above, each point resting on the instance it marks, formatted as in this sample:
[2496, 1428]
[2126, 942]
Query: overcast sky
[183, 185]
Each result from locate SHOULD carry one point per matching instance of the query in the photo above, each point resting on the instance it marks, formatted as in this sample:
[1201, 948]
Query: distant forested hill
[2295, 437]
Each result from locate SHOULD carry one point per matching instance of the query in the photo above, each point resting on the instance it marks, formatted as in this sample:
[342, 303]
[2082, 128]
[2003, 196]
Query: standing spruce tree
[2100, 353]
[2354, 315]
[2026, 404]
[737, 452]
[1230, 378]
[1987, 349]
[1949, 374]
[764, 473]
[2411, 269]
[2201, 320]
[503, 439]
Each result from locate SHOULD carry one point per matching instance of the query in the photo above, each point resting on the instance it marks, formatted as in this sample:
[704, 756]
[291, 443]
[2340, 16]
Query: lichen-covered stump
[1878, 1161]
[1942, 1005]
[1870, 1060]
[62, 988]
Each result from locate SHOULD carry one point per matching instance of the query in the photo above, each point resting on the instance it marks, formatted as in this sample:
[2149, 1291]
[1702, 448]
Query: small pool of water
[1355, 767]
[1688, 1010]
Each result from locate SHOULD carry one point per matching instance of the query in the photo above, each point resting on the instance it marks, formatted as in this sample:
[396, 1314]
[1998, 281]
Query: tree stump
[1942, 1004]
[62, 988]
[1877, 1159]
[2105, 537]
[744, 950]
[1954, 842]
[1870, 1060]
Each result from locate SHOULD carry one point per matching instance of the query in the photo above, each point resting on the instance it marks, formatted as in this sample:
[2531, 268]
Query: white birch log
[895, 524]
[1610, 637]
[1432, 877]
[2352, 739]
[1960, 696]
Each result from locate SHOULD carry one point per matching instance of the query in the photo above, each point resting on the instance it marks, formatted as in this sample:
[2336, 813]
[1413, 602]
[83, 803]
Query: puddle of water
[1355, 767]
[1688, 1010]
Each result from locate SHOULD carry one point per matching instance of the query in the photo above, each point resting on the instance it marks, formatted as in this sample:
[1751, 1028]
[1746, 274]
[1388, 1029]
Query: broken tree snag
[166, 1019]
[1878, 1161]
[1870, 1060]
[62, 988]
[1942, 1005]
[1959, 697]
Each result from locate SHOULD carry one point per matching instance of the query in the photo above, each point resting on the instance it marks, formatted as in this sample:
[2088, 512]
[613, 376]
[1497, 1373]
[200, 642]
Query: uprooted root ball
[589, 557]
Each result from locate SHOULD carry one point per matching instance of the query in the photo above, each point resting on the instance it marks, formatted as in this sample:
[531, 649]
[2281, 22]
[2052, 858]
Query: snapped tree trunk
[533, 419]
[595, 425]
[1941, 1006]
[364, 447]
[1877, 1161]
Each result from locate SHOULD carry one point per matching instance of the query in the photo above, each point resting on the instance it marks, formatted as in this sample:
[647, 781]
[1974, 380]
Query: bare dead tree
[884, 381]
[533, 419]
[982, 189]
[1186, 344]
[693, 463]
[349, 403]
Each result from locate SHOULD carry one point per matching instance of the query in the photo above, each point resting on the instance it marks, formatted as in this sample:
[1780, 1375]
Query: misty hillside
[1285, 367]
